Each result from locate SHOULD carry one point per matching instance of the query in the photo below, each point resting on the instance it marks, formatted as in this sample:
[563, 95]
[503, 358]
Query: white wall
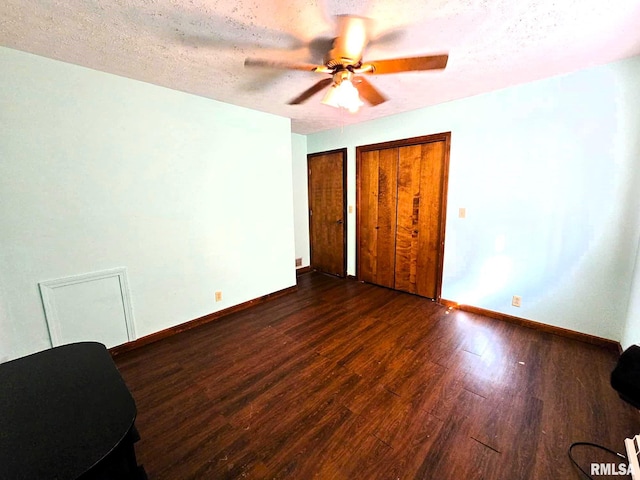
[99, 171]
[631, 333]
[546, 172]
[300, 197]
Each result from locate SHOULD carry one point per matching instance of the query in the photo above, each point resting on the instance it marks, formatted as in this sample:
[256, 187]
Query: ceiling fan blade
[368, 91]
[351, 39]
[282, 65]
[311, 91]
[397, 65]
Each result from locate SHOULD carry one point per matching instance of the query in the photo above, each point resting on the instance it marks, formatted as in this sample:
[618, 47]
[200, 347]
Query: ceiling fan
[345, 65]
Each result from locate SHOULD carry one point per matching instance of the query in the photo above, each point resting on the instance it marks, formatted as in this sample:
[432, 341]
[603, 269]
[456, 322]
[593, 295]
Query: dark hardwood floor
[345, 380]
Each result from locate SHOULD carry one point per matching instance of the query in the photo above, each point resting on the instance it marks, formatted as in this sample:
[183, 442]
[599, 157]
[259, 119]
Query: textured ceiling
[199, 46]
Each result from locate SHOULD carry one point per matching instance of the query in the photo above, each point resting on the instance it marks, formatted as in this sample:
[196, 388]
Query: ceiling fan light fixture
[344, 62]
[343, 95]
[331, 97]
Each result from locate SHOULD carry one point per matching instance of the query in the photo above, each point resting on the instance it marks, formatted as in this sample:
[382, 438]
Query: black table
[66, 413]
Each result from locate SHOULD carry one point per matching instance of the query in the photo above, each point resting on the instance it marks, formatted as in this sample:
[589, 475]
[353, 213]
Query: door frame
[438, 137]
[310, 157]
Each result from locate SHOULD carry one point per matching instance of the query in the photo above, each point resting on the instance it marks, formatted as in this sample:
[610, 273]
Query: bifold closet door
[408, 214]
[418, 218]
[379, 169]
[400, 216]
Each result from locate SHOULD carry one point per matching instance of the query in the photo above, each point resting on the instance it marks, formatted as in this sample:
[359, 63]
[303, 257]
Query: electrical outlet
[462, 212]
[516, 301]
[298, 262]
[218, 296]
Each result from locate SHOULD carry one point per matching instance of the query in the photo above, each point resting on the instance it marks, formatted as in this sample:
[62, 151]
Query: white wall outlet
[218, 296]
[516, 301]
[462, 212]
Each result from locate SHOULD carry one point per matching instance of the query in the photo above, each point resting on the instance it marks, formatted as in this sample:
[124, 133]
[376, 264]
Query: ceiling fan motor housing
[350, 42]
[332, 60]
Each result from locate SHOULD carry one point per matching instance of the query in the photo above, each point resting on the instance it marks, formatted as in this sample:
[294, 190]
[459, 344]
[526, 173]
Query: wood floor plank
[511, 426]
[342, 380]
[456, 455]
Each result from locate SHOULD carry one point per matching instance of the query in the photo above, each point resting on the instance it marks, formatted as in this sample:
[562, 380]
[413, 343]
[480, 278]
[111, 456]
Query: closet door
[401, 191]
[420, 183]
[407, 229]
[377, 210]
[431, 219]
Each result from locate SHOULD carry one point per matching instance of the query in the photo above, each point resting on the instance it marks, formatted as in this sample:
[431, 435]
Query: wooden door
[407, 226]
[401, 200]
[327, 212]
[378, 206]
[420, 183]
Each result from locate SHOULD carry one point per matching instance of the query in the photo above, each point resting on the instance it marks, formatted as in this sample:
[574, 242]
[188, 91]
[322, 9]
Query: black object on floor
[625, 378]
[67, 414]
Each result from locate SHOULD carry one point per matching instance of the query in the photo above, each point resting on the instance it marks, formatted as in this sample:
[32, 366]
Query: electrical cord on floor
[589, 444]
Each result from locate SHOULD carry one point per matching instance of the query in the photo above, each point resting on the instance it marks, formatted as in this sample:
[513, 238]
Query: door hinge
[310, 212]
